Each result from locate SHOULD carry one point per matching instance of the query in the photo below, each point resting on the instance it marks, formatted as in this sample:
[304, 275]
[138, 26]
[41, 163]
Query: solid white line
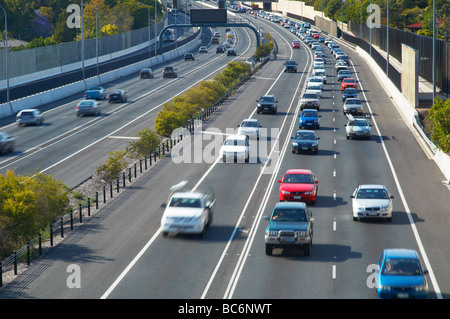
[402, 196]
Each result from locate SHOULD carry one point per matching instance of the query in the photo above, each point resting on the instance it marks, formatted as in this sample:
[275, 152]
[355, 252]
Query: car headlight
[361, 209]
[301, 234]
[295, 144]
[272, 233]
[314, 144]
[309, 193]
[259, 105]
[384, 287]
[285, 192]
[421, 288]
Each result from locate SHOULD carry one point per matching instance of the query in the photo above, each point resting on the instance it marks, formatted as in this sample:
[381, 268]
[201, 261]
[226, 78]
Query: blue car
[309, 118]
[399, 274]
[349, 93]
[343, 74]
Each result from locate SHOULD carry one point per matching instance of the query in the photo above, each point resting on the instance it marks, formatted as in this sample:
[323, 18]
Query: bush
[264, 49]
[115, 163]
[439, 117]
[27, 205]
[145, 144]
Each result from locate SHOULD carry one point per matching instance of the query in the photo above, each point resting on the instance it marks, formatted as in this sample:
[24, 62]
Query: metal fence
[398, 37]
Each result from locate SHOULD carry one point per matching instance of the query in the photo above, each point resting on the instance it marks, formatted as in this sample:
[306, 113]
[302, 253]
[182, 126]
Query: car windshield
[309, 114]
[87, 103]
[350, 81]
[290, 62]
[234, 142]
[289, 215]
[185, 202]
[343, 72]
[95, 88]
[372, 193]
[352, 101]
[359, 123]
[249, 124]
[305, 136]
[350, 91]
[266, 99]
[298, 179]
[310, 96]
[402, 267]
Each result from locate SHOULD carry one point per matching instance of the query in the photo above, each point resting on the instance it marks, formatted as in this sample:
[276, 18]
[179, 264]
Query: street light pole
[82, 40]
[96, 34]
[387, 39]
[8, 99]
[434, 49]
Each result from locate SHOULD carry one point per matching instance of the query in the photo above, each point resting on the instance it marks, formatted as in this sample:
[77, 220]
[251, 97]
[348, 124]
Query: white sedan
[235, 147]
[250, 127]
[372, 201]
[188, 212]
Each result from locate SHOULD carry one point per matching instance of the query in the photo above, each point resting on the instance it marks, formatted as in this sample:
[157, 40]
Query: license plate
[304, 148]
[373, 213]
[402, 295]
[287, 240]
[297, 197]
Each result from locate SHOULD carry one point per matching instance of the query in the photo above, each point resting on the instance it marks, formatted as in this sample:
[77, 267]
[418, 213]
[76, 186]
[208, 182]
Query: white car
[341, 65]
[188, 212]
[315, 81]
[318, 63]
[320, 73]
[250, 127]
[371, 201]
[314, 88]
[235, 147]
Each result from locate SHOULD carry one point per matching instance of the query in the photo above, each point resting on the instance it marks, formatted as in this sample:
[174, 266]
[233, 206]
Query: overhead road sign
[208, 15]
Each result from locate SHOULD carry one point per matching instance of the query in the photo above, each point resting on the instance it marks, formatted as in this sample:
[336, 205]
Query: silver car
[29, 116]
[88, 107]
[371, 201]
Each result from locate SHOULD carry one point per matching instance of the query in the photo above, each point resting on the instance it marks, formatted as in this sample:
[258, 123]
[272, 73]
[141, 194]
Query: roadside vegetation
[439, 124]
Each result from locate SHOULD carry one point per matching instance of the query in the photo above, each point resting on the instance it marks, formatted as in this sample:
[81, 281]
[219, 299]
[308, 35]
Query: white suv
[235, 147]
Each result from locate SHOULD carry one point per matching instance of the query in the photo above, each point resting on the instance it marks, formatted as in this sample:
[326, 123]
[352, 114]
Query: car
[296, 44]
[267, 103]
[319, 59]
[236, 147]
[29, 116]
[215, 40]
[316, 36]
[88, 107]
[349, 83]
[189, 212]
[290, 66]
[399, 275]
[344, 58]
[318, 63]
[227, 45]
[305, 141]
[189, 56]
[118, 95]
[349, 93]
[341, 65]
[343, 74]
[220, 49]
[231, 51]
[357, 127]
[169, 72]
[250, 127]
[321, 74]
[146, 73]
[230, 34]
[96, 93]
[299, 185]
[7, 143]
[352, 106]
[202, 49]
[230, 40]
[322, 39]
[309, 100]
[309, 118]
[217, 34]
[371, 201]
[290, 226]
[314, 45]
[314, 88]
[315, 81]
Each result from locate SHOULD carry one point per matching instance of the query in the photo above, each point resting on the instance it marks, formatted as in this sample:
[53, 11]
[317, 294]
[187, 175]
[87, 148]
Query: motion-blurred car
[95, 92]
[202, 49]
[372, 201]
[118, 95]
[215, 40]
[309, 118]
[189, 56]
[88, 107]
[220, 49]
[146, 73]
[169, 72]
[299, 185]
[305, 141]
[250, 127]
[188, 212]
[349, 83]
[29, 116]
[7, 143]
[231, 51]
[399, 275]
[290, 226]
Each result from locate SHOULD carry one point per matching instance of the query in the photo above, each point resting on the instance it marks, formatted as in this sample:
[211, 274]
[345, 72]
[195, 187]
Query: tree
[146, 143]
[439, 117]
[115, 163]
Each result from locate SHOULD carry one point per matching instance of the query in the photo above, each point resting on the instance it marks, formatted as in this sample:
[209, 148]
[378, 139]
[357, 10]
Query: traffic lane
[427, 203]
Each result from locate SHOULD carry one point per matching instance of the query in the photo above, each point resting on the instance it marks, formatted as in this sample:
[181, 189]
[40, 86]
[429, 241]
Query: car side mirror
[164, 205]
[318, 138]
[266, 217]
[352, 196]
[279, 181]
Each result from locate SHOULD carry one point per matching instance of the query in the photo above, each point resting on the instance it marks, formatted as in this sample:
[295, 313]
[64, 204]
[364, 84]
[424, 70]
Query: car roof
[250, 120]
[236, 137]
[400, 253]
[299, 170]
[372, 186]
[187, 195]
[290, 205]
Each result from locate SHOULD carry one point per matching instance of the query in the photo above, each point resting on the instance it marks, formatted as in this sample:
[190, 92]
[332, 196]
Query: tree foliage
[439, 117]
[27, 205]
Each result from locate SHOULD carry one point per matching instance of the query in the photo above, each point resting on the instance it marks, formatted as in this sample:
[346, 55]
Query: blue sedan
[349, 93]
[399, 274]
[309, 118]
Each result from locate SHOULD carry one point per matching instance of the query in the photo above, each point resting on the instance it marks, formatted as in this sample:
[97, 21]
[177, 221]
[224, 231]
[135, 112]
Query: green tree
[115, 164]
[439, 117]
[146, 142]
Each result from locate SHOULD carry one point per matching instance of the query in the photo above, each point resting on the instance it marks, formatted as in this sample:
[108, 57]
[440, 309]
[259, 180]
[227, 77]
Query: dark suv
[267, 103]
[290, 66]
[169, 72]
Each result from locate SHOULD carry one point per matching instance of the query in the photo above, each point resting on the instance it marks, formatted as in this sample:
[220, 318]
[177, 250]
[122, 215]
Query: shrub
[115, 163]
[146, 143]
[439, 117]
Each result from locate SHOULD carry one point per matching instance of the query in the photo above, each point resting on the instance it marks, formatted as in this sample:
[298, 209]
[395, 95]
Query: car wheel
[355, 218]
[165, 233]
[224, 159]
[307, 249]
[269, 249]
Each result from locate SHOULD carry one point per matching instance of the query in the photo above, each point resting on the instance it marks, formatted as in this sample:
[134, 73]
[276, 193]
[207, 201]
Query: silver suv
[267, 103]
[290, 225]
[358, 127]
[310, 101]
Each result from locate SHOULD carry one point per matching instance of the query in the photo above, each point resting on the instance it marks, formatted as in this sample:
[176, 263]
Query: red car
[316, 36]
[349, 83]
[296, 45]
[299, 185]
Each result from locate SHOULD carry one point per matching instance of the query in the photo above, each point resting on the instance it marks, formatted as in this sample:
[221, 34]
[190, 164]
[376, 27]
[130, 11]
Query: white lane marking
[402, 196]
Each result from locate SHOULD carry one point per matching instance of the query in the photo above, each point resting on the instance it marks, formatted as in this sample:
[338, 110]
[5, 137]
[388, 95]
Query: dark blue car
[343, 74]
[399, 274]
[349, 93]
[309, 118]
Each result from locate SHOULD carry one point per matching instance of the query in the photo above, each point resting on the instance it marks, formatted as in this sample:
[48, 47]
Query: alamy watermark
[373, 20]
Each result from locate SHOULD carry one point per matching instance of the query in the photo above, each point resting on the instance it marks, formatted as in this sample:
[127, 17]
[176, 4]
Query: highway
[121, 253]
